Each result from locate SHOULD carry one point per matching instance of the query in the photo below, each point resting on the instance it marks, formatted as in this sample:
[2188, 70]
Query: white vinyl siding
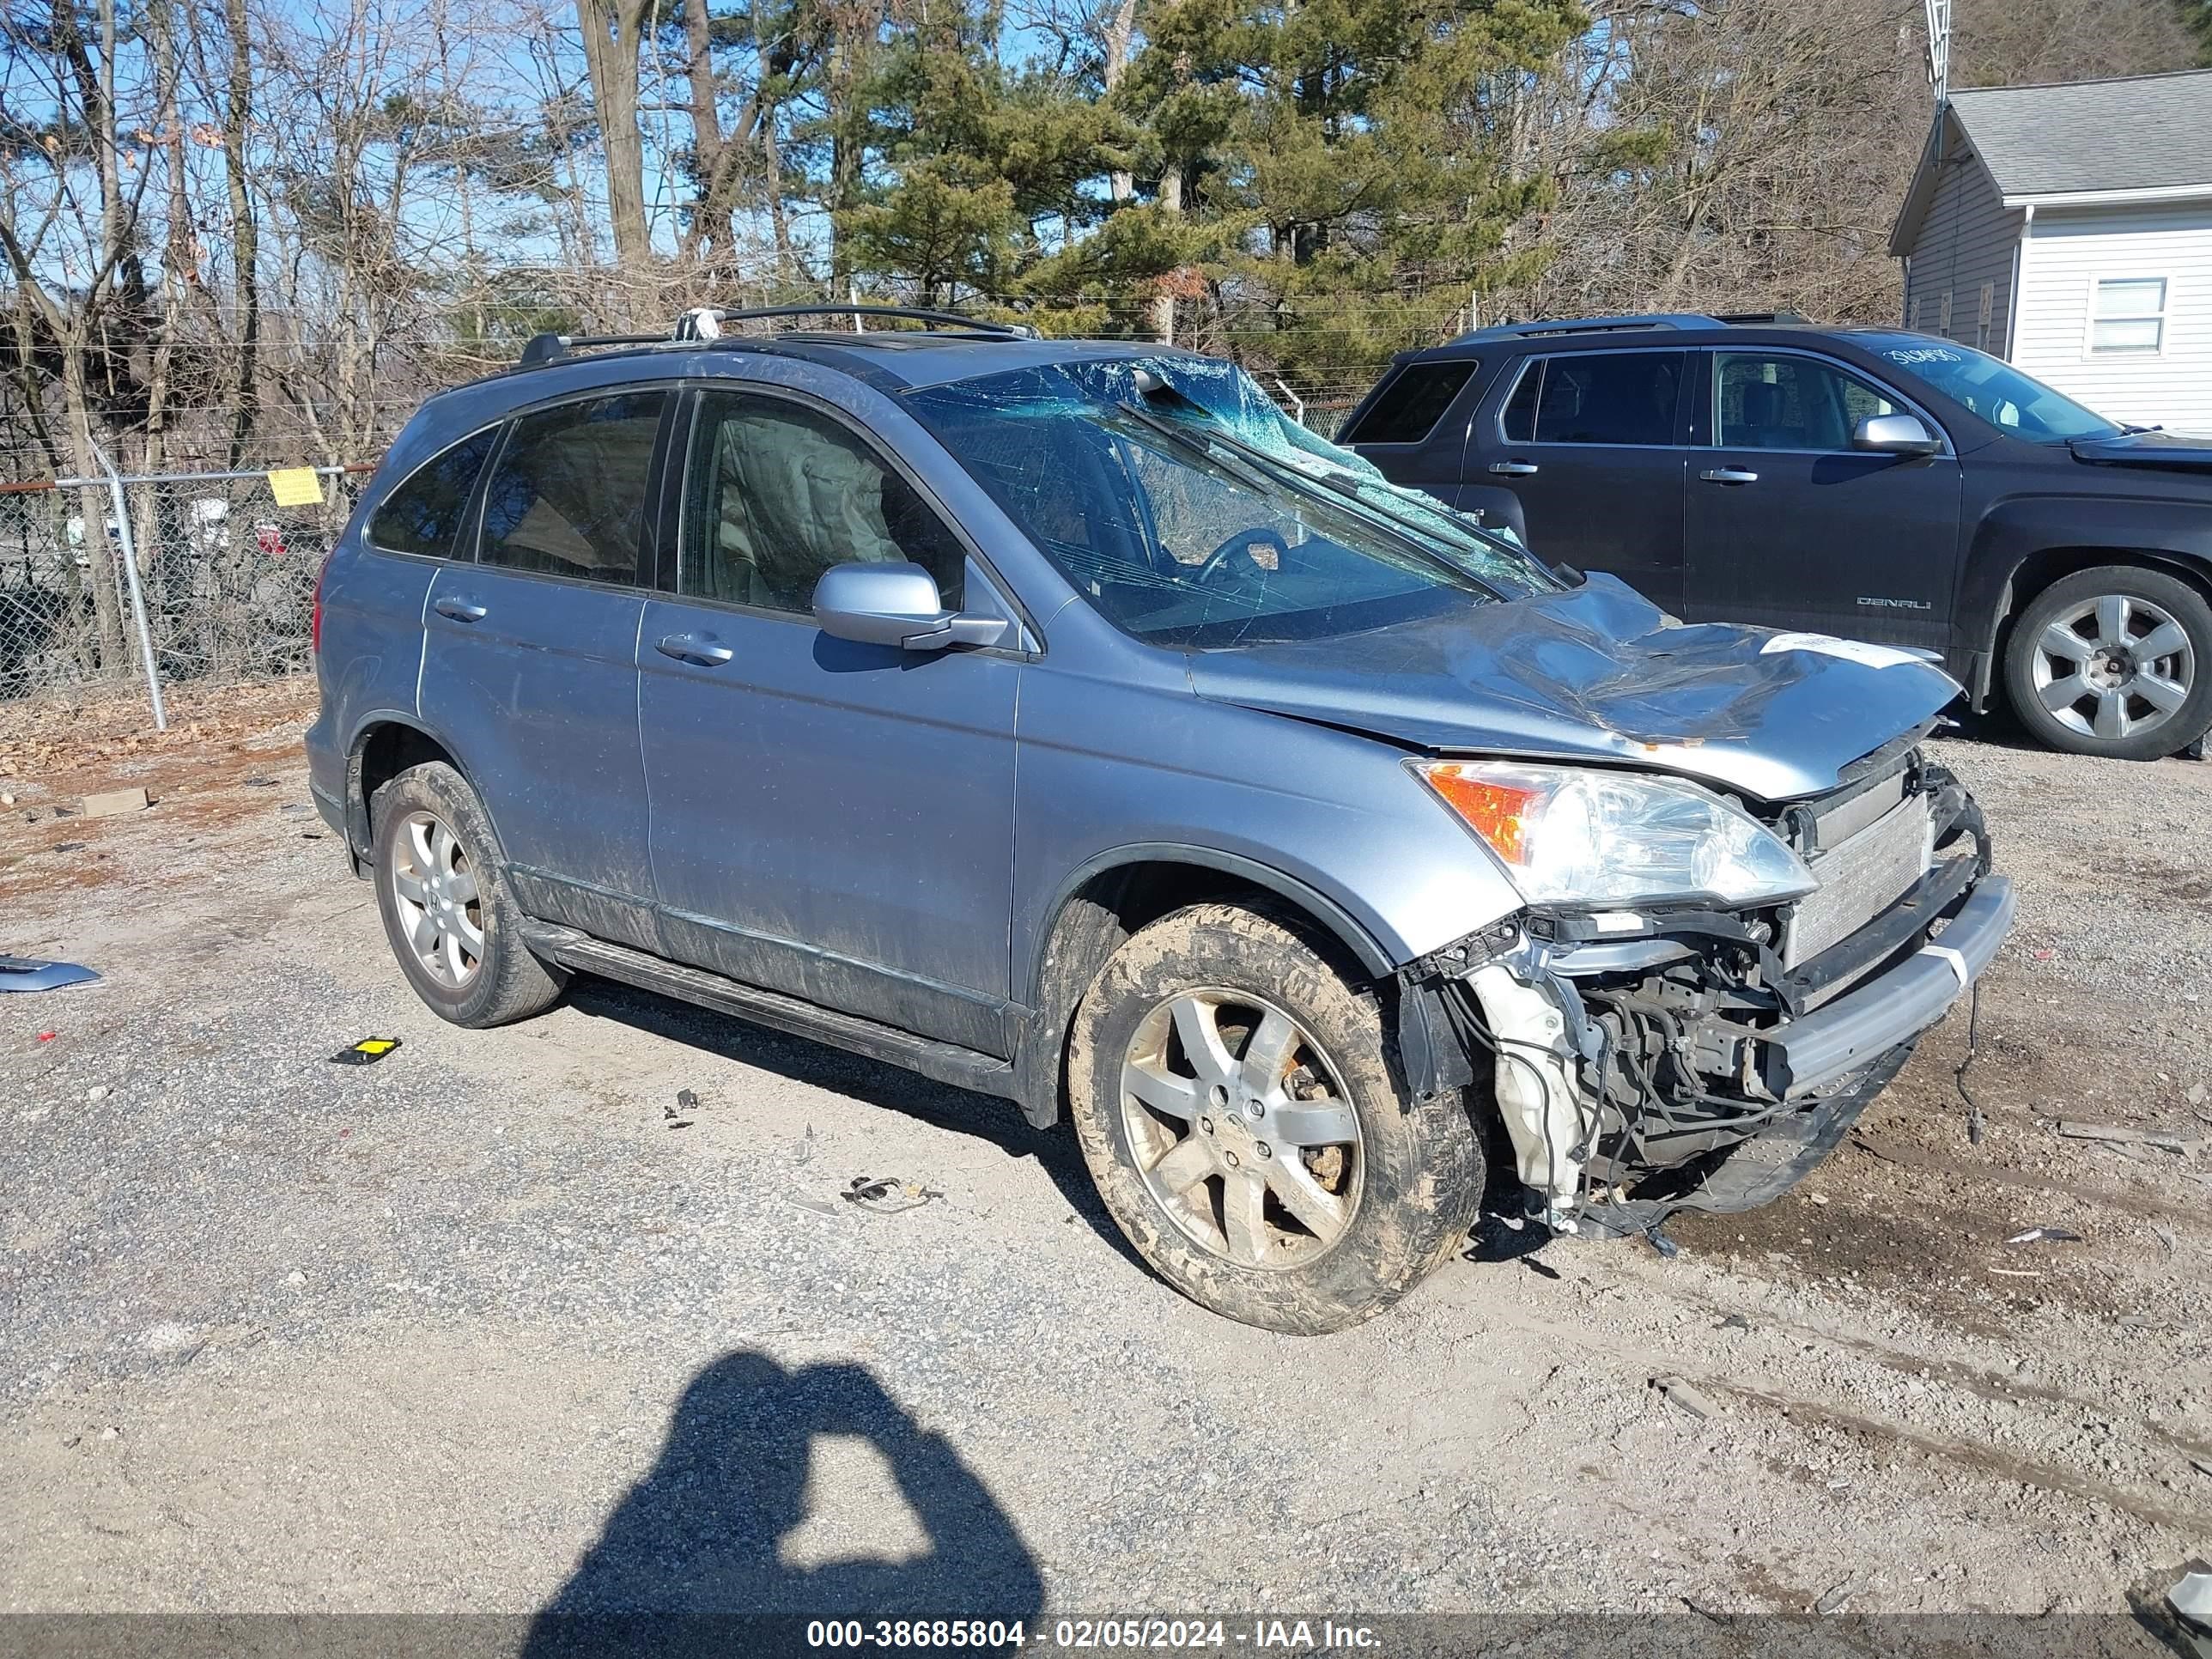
[1966, 240]
[2096, 285]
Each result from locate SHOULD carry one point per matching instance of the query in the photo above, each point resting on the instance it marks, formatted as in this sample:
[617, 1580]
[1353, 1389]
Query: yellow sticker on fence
[296, 486]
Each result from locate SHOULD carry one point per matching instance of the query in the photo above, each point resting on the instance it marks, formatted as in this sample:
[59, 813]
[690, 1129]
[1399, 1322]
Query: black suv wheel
[2115, 662]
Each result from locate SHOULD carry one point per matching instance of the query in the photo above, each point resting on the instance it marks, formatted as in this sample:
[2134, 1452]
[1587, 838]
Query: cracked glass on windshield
[1201, 516]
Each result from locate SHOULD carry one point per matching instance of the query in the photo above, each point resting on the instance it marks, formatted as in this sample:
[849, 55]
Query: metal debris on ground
[1684, 1395]
[367, 1052]
[2192, 1598]
[1735, 1322]
[259, 783]
[2045, 1235]
[887, 1194]
[684, 1112]
[1666, 1246]
[28, 973]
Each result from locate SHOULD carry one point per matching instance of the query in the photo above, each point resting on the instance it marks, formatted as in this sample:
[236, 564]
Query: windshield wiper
[1272, 473]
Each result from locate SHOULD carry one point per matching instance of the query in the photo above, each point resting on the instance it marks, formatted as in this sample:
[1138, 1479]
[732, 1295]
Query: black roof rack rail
[1592, 326]
[544, 347]
[692, 325]
[705, 323]
[1744, 318]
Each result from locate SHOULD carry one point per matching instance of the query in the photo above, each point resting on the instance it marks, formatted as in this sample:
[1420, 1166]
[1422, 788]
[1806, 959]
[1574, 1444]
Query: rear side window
[423, 515]
[568, 496]
[1597, 398]
[1408, 409]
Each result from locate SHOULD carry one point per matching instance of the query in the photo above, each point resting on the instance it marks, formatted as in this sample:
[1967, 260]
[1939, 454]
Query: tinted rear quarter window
[1597, 398]
[568, 496]
[423, 515]
[1407, 410]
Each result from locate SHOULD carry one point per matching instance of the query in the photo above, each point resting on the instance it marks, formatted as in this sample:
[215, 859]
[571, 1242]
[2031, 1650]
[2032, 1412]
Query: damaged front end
[1650, 1058]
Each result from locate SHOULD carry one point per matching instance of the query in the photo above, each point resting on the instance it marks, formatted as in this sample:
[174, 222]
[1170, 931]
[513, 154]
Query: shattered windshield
[1189, 511]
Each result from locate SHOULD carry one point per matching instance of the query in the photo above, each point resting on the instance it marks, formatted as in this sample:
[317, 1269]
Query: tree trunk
[95, 505]
[244, 233]
[1120, 31]
[713, 155]
[1163, 308]
[610, 30]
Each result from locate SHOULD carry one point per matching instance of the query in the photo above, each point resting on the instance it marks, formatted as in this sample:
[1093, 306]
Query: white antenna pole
[1939, 49]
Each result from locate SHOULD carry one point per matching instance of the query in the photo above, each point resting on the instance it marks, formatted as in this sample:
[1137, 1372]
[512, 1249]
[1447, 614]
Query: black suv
[1867, 483]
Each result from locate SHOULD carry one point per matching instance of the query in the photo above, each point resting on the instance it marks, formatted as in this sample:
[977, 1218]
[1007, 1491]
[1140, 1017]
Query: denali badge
[1898, 605]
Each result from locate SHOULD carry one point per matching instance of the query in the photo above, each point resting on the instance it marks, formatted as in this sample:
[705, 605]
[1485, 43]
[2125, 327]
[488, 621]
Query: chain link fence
[225, 576]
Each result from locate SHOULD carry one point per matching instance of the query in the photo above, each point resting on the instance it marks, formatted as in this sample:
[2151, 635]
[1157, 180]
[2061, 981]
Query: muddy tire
[1283, 1177]
[448, 914]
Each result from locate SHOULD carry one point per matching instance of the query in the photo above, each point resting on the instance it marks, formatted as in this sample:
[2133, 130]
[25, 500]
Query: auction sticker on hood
[1857, 650]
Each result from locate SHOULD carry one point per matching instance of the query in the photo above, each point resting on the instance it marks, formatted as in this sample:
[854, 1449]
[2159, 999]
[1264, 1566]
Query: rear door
[1789, 527]
[830, 819]
[530, 669]
[1590, 443]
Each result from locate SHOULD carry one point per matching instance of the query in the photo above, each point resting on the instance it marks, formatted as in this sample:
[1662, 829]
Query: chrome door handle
[1730, 475]
[1513, 469]
[702, 651]
[460, 609]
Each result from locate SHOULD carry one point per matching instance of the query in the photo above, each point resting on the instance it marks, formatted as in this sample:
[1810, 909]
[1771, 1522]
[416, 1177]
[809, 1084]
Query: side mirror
[1895, 434]
[895, 605]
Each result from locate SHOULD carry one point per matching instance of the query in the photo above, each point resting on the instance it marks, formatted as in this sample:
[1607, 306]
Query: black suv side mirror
[895, 604]
[1895, 434]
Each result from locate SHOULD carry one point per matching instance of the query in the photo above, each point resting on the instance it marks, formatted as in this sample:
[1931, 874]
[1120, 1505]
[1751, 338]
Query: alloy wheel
[1242, 1128]
[440, 906]
[2114, 666]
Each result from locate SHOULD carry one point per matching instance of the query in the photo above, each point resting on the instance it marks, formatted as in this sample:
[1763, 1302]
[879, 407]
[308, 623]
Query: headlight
[1570, 837]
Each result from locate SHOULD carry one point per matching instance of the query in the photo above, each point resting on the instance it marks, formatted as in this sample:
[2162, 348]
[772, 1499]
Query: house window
[1989, 310]
[1943, 327]
[2129, 315]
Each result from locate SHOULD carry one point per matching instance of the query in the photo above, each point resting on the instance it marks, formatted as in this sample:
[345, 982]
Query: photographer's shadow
[692, 1556]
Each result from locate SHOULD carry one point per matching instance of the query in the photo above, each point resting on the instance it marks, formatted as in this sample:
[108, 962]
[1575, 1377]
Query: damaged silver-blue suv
[1058, 720]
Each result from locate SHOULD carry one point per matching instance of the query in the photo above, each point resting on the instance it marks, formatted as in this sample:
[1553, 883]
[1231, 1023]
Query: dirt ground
[496, 1325]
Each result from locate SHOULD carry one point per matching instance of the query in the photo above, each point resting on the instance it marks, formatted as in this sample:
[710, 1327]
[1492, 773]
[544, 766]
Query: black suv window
[1774, 400]
[568, 496]
[779, 493]
[1407, 410]
[1596, 397]
[423, 514]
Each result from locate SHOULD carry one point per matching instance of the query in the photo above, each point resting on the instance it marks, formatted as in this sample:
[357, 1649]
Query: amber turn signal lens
[1495, 811]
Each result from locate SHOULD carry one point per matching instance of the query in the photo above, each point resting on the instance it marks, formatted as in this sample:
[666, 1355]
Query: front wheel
[2115, 662]
[1241, 1109]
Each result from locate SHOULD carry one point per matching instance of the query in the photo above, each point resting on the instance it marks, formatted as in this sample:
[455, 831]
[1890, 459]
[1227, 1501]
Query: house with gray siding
[2069, 229]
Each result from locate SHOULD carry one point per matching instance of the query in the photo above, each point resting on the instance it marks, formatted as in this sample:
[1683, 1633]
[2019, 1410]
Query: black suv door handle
[460, 609]
[1729, 475]
[702, 650]
[1513, 469]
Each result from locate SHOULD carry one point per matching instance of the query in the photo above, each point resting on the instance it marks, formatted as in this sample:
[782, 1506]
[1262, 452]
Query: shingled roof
[2146, 132]
[2143, 133]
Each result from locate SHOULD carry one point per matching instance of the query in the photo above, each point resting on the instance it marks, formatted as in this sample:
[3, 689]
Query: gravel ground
[478, 1327]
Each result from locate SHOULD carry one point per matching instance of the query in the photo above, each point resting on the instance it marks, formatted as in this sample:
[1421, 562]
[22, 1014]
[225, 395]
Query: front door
[1789, 527]
[1587, 440]
[530, 659]
[829, 819]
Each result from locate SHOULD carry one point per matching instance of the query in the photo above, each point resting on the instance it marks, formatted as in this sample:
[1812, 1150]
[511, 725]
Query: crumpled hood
[1600, 673]
[2174, 450]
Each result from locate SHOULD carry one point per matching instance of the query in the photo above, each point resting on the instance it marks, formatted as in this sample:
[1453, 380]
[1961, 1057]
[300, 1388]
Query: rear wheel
[2115, 662]
[447, 912]
[1241, 1109]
